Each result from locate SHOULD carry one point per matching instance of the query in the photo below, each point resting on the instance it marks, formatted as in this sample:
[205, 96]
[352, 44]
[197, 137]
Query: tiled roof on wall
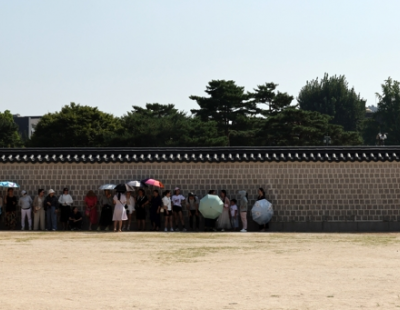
[213, 154]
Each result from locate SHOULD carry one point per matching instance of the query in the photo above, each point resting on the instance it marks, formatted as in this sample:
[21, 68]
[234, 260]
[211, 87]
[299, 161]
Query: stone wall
[307, 196]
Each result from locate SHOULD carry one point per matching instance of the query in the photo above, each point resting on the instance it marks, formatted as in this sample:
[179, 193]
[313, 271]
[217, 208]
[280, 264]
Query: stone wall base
[336, 227]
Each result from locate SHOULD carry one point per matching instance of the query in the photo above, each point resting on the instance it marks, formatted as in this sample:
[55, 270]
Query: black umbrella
[120, 188]
[144, 182]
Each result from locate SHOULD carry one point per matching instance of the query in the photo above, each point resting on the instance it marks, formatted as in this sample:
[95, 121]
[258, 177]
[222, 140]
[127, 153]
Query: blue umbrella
[107, 187]
[211, 206]
[9, 184]
[262, 211]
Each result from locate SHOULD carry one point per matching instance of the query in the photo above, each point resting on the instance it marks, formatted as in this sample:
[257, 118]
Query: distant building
[369, 113]
[26, 125]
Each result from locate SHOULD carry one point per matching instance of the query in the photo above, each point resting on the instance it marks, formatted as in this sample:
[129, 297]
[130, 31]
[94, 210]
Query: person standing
[177, 200]
[65, 202]
[141, 203]
[119, 210]
[167, 210]
[224, 222]
[130, 202]
[234, 214]
[39, 214]
[1, 206]
[156, 205]
[91, 208]
[209, 224]
[106, 211]
[25, 202]
[10, 203]
[261, 196]
[243, 202]
[193, 210]
[51, 205]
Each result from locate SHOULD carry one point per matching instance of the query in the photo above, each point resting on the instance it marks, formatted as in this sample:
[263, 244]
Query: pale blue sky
[115, 54]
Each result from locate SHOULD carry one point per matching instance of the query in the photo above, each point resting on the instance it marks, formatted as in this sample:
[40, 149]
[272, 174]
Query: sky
[116, 54]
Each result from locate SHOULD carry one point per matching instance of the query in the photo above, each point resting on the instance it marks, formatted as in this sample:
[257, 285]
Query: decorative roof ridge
[202, 154]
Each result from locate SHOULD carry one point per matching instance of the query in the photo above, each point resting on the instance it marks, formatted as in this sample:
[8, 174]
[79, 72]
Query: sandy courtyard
[199, 271]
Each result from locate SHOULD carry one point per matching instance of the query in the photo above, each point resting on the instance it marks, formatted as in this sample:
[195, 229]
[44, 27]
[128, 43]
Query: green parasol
[211, 206]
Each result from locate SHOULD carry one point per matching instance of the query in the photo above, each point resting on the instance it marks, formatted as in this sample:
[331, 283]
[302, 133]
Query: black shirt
[140, 201]
[261, 197]
[53, 201]
[75, 216]
[11, 205]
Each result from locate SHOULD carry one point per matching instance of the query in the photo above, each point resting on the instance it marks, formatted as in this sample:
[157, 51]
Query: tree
[74, 126]
[266, 94]
[164, 126]
[332, 96]
[295, 127]
[226, 104]
[9, 136]
[370, 130]
[388, 114]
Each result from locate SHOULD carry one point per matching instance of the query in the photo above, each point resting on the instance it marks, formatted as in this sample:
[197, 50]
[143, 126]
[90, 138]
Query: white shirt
[167, 203]
[177, 200]
[67, 199]
[233, 209]
[121, 201]
[130, 203]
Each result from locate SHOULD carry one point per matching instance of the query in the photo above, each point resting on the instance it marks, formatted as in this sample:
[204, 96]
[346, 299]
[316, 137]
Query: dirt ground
[89, 270]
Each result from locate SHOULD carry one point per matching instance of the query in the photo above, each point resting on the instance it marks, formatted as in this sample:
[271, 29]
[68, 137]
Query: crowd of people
[116, 211]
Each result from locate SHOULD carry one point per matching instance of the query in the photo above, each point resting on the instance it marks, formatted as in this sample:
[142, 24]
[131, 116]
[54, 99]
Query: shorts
[169, 213]
[177, 209]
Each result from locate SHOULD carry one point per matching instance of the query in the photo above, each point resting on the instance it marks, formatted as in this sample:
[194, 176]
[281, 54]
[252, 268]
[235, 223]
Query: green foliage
[295, 127]
[163, 125]
[226, 104]
[388, 114]
[226, 116]
[74, 126]
[9, 136]
[370, 130]
[266, 94]
[332, 96]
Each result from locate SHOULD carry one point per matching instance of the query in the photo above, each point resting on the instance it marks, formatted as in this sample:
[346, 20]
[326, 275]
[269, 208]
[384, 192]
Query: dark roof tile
[212, 155]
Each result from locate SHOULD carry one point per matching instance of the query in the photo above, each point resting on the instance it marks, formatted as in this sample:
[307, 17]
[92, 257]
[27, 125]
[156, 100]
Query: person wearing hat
[39, 214]
[25, 202]
[65, 201]
[177, 200]
[51, 206]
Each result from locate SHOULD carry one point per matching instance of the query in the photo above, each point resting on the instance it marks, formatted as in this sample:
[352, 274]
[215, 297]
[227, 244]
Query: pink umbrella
[153, 182]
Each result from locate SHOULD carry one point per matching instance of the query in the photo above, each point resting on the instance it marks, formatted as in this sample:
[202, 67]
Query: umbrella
[211, 206]
[107, 186]
[9, 184]
[152, 182]
[134, 184]
[121, 188]
[262, 211]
